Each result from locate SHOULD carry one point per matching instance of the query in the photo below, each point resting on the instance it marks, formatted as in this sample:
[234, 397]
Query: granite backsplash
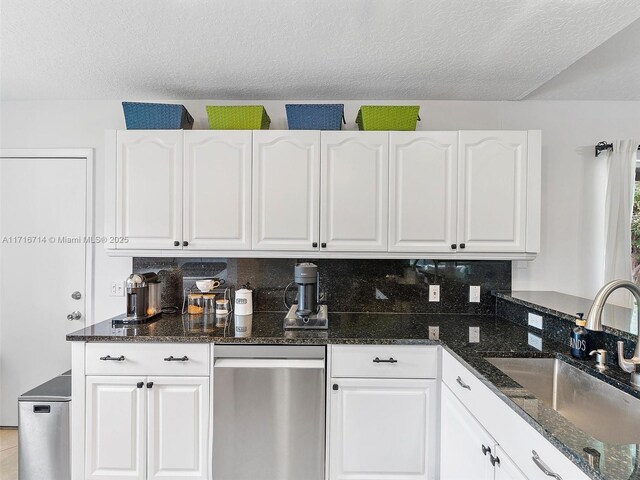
[400, 286]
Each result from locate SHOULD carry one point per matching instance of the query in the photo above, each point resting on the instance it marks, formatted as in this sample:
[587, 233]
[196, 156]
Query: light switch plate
[434, 293]
[474, 294]
[117, 289]
[434, 333]
[474, 334]
[535, 320]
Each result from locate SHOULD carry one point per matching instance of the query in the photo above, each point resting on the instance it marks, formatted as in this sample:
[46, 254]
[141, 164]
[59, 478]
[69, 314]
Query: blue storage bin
[156, 116]
[315, 116]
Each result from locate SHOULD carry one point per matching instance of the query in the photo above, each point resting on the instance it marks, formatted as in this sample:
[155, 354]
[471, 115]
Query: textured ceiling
[297, 49]
[610, 72]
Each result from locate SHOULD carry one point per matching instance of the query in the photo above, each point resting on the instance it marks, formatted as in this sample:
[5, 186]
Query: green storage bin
[388, 117]
[238, 117]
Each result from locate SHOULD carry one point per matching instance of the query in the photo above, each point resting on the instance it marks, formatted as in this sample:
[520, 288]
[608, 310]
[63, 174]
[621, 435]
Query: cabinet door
[149, 189]
[382, 429]
[462, 440]
[505, 468]
[492, 191]
[286, 189]
[217, 190]
[115, 428]
[423, 189]
[355, 191]
[178, 428]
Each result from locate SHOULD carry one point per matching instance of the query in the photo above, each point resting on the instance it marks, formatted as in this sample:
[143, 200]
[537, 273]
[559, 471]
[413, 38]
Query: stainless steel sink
[597, 408]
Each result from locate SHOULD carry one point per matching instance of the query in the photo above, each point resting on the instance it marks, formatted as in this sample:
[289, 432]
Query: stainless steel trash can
[44, 449]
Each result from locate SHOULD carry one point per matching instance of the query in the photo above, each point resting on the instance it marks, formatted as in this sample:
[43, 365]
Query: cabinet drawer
[147, 359]
[510, 430]
[384, 361]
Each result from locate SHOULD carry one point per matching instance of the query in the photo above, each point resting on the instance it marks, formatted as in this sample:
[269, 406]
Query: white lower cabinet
[147, 427]
[382, 428]
[116, 428]
[467, 449]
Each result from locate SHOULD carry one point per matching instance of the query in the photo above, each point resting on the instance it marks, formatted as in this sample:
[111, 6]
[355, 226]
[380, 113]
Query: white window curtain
[621, 166]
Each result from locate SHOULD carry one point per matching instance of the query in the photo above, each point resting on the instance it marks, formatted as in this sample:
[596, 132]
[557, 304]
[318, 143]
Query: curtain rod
[602, 146]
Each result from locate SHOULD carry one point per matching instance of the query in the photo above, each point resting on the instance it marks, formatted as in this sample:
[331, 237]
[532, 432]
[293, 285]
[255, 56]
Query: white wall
[573, 179]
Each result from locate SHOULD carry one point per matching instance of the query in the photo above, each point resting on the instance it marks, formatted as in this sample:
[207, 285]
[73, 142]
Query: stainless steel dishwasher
[268, 412]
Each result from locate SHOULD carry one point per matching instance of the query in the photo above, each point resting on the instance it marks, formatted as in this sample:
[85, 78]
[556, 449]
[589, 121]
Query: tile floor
[8, 454]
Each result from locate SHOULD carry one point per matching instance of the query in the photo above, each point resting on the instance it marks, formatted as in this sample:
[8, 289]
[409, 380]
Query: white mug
[207, 285]
[243, 304]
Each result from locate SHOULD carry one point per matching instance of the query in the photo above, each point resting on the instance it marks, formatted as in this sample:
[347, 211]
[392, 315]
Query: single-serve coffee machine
[143, 298]
[308, 312]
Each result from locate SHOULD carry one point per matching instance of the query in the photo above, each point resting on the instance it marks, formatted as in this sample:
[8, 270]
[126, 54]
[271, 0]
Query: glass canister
[195, 304]
[209, 303]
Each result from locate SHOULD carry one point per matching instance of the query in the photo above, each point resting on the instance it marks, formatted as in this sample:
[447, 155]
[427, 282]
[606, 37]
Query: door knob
[76, 295]
[75, 315]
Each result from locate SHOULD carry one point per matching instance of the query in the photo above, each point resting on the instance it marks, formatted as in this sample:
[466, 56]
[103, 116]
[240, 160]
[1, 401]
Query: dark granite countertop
[617, 320]
[498, 338]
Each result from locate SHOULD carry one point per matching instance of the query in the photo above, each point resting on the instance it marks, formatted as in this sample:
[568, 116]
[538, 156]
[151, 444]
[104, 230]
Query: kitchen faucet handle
[626, 365]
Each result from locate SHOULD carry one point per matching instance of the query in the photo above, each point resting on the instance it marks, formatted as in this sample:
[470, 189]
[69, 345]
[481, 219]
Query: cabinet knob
[494, 460]
[335, 386]
[486, 450]
[185, 244]
[462, 245]
[314, 244]
[149, 384]
[453, 246]
[176, 243]
[140, 384]
[323, 245]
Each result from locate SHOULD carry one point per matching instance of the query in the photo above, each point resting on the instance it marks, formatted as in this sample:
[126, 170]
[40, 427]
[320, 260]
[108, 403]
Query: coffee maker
[143, 298]
[308, 313]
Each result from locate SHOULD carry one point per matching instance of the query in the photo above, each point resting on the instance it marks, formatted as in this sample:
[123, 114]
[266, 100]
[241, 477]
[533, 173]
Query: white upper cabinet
[355, 191]
[286, 190]
[217, 190]
[149, 188]
[423, 188]
[492, 191]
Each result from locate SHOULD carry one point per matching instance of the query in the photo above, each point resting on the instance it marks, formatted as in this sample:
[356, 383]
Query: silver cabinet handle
[174, 359]
[462, 384]
[543, 466]
[109, 357]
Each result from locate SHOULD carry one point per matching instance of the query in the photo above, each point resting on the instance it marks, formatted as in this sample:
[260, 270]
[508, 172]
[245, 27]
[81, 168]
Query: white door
[464, 444]
[492, 189]
[286, 186]
[505, 468]
[423, 189]
[217, 190]
[149, 189]
[178, 427]
[355, 191]
[115, 424]
[382, 429]
[43, 222]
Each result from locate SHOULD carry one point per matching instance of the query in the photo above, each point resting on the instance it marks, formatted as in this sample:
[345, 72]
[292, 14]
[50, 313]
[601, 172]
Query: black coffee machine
[308, 312]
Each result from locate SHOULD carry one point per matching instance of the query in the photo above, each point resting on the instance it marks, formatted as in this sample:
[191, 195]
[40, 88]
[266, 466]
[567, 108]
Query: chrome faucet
[594, 323]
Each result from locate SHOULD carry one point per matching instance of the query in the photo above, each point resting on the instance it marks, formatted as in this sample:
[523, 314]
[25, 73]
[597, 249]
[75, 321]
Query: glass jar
[195, 304]
[209, 303]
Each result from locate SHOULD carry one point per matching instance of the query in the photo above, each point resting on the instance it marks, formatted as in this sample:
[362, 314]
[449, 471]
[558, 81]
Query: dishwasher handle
[317, 363]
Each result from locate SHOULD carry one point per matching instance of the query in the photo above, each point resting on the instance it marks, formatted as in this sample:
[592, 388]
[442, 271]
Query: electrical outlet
[535, 341]
[474, 334]
[434, 293]
[117, 289]
[535, 320]
[434, 333]
[474, 294]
